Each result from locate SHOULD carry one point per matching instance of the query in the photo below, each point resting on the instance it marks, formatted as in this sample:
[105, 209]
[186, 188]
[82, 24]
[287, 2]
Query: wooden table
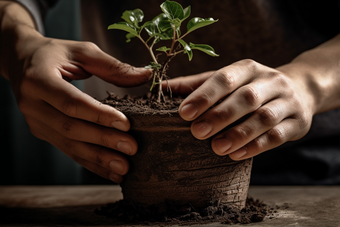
[74, 205]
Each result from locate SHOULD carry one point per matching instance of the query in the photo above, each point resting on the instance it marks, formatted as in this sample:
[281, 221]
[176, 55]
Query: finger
[104, 157]
[243, 101]
[262, 120]
[185, 85]
[283, 132]
[95, 61]
[73, 72]
[99, 170]
[84, 131]
[109, 159]
[74, 103]
[219, 85]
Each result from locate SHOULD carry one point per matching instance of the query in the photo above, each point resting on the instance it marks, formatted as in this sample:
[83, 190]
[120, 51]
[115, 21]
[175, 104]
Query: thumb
[93, 60]
[185, 85]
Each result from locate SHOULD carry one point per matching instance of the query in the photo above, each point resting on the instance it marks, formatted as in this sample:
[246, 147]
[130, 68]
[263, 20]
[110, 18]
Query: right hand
[92, 134]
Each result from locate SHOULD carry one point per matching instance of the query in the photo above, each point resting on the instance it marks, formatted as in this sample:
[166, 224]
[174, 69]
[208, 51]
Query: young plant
[165, 26]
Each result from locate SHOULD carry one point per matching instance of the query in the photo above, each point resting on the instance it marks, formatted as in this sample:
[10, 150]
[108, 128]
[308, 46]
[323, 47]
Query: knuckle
[99, 160]
[105, 140]
[223, 115]
[267, 116]
[277, 135]
[96, 154]
[258, 145]
[100, 118]
[205, 97]
[250, 64]
[119, 67]
[88, 46]
[304, 121]
[250, 95]
[68, 127]
[225, 78]
[69, 107]
[243, 132]
[280, 79]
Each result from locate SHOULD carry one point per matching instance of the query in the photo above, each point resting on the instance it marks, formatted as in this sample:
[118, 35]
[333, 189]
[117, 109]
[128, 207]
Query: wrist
[17, 28]
[317, 73]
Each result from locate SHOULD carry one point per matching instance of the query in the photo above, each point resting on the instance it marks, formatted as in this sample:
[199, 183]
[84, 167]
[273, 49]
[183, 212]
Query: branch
[173, 40]
[149, 48]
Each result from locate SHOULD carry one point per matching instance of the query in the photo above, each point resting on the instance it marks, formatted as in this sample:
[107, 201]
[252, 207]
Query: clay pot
[173, 165]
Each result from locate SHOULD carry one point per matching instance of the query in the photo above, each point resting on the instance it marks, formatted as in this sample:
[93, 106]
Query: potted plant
[171, 165]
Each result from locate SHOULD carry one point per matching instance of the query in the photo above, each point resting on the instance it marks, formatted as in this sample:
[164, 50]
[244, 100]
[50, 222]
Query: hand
[277, 108]
[90, 133]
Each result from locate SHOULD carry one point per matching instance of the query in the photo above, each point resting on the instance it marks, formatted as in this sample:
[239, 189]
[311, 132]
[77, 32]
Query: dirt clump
[128, 212]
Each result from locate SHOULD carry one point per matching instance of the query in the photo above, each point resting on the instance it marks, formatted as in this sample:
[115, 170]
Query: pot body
[172, 165]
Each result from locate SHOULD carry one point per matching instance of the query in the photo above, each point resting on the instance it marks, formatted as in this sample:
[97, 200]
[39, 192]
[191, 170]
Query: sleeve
[38, 9]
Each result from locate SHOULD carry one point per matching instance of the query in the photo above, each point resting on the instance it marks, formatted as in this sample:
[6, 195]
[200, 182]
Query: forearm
[16, 25]
[318, 71]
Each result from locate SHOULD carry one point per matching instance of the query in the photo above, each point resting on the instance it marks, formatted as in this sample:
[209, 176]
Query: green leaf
[187, 12]
[159, 27]
[153, 65]
[125, 27]
[151, 29]
[133, 17]
[163, 48]
[162, 22]
[176, 22]
[168, 34]
[129, 36]
[198, 22]
[205, 48]
[187, 48]
[172, 10]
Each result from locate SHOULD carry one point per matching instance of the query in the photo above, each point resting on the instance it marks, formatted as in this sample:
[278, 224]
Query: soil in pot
[174, 174]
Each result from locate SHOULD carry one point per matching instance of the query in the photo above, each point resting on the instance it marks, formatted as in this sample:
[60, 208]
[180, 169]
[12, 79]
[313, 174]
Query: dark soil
[142, 104]
[128, 212]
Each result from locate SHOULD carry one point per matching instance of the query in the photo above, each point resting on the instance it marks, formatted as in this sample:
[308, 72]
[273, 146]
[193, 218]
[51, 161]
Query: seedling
[165, 26]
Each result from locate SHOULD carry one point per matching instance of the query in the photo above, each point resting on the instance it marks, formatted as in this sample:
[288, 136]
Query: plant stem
[182, 36]
[149, 49]
[173, 41]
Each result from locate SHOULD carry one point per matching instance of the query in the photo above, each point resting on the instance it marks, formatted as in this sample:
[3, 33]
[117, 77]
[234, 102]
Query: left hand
[280, 107]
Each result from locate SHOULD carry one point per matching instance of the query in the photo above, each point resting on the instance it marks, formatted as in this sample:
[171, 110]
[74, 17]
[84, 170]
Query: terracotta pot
[173, 165]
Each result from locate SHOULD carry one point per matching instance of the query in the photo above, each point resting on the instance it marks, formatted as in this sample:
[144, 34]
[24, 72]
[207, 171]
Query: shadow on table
[63, 216]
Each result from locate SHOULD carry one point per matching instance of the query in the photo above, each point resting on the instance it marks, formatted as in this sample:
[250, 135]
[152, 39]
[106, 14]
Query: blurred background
[25, 159]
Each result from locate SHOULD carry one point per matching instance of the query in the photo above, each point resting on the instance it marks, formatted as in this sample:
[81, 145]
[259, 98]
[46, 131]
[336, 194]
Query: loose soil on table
[128, 212]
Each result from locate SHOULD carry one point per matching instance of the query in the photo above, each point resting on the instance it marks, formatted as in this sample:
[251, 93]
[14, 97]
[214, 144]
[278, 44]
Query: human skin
[280, 102]
[39, 68]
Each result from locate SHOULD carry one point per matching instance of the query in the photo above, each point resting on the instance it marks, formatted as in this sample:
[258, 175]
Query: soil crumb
[128, 212]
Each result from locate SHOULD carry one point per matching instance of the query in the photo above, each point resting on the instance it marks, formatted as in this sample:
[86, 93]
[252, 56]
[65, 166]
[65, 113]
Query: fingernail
[188, 111]
[239, 153]
[116, 166]
[124, 147]
[202, 129]
[119, 125]
[116, 177]
[222, 145]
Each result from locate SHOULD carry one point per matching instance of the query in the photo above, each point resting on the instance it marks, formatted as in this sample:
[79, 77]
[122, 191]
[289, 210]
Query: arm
[38, 69]
[281, 101]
